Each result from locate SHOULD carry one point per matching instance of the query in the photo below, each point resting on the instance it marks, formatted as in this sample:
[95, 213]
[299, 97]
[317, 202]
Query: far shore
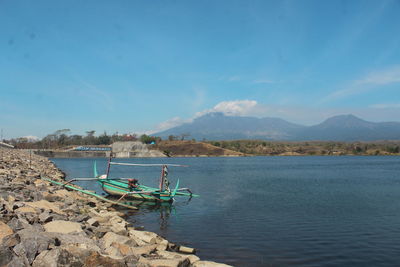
[82, 154]
[228, 148]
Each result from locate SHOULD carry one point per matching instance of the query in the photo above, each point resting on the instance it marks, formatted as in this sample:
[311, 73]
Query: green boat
[131, 189]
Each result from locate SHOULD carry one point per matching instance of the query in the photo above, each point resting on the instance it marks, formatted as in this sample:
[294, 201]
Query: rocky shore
[45, 225]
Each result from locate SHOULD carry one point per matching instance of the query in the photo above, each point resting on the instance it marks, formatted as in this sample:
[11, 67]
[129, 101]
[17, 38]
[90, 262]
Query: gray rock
[111, 237]
[95, 259]
[76, 240]
[80, 218]
[6, 255]
[18, 262]
[45, 217]
[65, 227]
[99, 232]
[11, 240]
[73, 256]
[93, 222]
[61, 257]
[32, 243]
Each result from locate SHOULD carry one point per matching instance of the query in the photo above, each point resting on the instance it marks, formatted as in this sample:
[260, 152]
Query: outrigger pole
[89, 193]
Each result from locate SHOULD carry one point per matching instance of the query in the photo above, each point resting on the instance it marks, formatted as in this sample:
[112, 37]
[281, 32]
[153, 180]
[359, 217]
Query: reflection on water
[164, 209]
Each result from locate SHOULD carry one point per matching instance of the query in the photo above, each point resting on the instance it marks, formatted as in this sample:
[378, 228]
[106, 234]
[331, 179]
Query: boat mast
[162, 178]
[108, 165]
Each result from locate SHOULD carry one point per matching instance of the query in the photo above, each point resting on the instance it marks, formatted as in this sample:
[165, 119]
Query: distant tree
[75, 139]
[62, 136]
[146, 139]
[216, 143]
[104, 139]
[184, 135]
[171, 137]
[393, 149]
[89, 139]
[90, 133]
[357, 150]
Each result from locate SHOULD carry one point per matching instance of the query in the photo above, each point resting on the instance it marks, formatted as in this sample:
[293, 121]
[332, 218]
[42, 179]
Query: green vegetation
[146, 139]
[62, 139]
[176, 145]
[260, 147]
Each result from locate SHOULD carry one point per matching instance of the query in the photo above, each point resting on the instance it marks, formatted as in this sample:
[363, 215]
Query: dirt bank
[193, 149]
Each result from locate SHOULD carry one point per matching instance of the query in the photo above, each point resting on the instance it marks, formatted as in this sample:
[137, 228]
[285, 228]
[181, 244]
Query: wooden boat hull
[121, 188]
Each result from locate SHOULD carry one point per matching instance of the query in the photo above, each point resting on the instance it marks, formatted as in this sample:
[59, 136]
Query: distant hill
[351, 128]
[217, 126]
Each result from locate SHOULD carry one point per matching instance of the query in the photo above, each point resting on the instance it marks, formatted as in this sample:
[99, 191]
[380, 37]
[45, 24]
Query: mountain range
[217, 126]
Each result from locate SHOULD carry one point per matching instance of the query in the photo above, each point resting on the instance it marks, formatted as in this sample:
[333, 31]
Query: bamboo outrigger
[130, 187]
[119, 203]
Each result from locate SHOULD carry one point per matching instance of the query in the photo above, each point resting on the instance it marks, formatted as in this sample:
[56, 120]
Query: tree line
[261, 147]
[63, 138]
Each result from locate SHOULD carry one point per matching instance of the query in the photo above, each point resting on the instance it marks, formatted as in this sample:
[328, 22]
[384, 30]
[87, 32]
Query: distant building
[92, 148]
[132, 149]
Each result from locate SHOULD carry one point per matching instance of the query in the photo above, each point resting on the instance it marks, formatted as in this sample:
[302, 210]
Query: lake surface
[275, 211]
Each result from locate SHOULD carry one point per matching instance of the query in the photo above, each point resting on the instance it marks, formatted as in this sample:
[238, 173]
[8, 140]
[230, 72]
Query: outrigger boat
[130, 187]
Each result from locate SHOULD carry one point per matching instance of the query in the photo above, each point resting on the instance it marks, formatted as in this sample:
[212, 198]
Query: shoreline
[46, 225]
[76, 155]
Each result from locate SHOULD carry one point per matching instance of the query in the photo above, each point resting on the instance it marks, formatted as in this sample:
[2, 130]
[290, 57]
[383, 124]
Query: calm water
[276, 211]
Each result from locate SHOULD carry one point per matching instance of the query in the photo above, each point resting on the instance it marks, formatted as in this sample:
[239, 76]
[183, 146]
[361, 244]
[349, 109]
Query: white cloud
[176, 121]
[229, 108]
[386, 105]
[388, 76]
[234, 108]
[369, 82]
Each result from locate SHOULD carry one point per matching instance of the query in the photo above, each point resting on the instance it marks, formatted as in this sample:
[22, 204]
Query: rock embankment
[45, 225]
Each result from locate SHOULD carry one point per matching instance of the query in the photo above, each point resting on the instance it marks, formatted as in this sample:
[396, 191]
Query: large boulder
[62, 257]
[143, 250]
[32, 242]
[64, 227]
[144, 237]
[5, 230]
[73, 256]
[95, 259]
[111, 237]
[118, 225]
[77, 240]
[173, 255]
[25, 209]
[46, 205]
[6, 255]
[157, 262]
[209, 264]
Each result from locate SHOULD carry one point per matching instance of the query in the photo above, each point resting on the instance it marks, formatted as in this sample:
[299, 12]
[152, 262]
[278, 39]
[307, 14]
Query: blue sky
[139, 66]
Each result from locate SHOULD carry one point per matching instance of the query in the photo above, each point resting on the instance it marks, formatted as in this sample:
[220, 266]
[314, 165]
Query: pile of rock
[44, 225]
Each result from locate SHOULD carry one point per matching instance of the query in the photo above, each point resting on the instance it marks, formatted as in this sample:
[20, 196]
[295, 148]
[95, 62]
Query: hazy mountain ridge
[217, 126]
